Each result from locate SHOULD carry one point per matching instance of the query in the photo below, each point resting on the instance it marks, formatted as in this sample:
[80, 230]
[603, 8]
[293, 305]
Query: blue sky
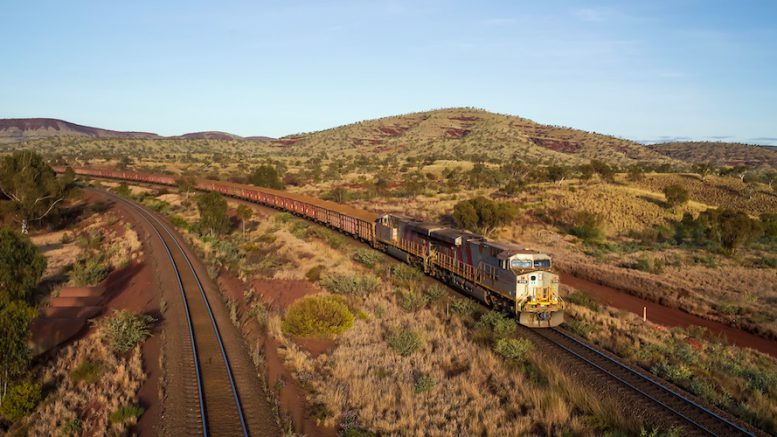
[645, 70]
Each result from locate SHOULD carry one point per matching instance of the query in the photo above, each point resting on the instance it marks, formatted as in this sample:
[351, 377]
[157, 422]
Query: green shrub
[72, 427]
[405, 341]
[587, 227]
[317, 316]
[411, 301]
[314, 274]
[355, 284]
[514, 349]
[88, 372]
[128, 413]
[496, 325]
[125, 329]
[259, 311]
[405, 275]
[462, 307]
[179, 222]
[20, 400]
[89, 271]
[435, 292]
[583, 299]
[423, 383]
[368, 257]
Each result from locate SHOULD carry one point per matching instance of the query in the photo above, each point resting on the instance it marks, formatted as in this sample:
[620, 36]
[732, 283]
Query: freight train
[501, 275]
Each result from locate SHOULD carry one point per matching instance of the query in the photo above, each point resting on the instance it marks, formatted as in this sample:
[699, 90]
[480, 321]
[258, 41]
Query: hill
[464, 132]
[209, 135]
[21, 129]
[719, 154]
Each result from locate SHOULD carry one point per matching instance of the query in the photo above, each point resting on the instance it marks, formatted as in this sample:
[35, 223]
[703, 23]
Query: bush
[368, 257]
[582, 299]
[314, 274]
[129, 413]
[675, 195]
[435, 292]
[496, 325]
[20, 400]
[586, 227]
[513, 349]
[125, 329]
[88, 372]
[355, 284]
[411, 301]
[405, 275]
[317, 316]
[89, 271]
[405, 341]
[72, 427]
[462, 307]
[422, 383]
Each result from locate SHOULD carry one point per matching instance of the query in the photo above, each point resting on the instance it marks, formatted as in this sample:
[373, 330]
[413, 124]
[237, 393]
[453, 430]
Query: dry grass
[737, 380]
[716, 191]
[91, 403]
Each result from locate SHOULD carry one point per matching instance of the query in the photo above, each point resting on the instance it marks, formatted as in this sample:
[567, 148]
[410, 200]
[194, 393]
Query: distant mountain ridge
[718, 153]
[22, 129]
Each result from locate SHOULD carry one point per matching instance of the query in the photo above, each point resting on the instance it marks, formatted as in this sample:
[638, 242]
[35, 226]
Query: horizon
[658, 72]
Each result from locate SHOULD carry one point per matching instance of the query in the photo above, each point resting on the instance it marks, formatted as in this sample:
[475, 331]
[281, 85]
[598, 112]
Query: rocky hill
[719, 154]
[464, 133]
[21, 129]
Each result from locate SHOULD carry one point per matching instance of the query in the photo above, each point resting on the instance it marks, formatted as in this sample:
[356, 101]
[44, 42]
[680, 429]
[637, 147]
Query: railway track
[674, 407]
[213, 402]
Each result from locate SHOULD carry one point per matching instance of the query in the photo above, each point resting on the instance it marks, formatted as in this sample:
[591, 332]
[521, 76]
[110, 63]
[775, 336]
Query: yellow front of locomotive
[538, 303]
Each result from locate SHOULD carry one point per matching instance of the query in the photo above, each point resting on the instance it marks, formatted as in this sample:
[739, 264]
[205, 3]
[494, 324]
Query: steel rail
[145, 215]
[189, 324]
[223, 351]
[653, 382]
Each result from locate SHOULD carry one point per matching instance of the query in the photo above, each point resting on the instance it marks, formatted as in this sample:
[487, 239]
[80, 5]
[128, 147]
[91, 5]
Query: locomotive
[501, 275]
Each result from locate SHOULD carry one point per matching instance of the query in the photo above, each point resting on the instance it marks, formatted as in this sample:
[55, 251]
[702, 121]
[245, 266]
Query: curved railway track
[674, 407]
[213, 403]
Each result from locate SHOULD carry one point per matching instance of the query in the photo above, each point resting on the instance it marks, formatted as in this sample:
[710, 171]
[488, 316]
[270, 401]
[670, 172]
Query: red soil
[280, 293]
[456, 133]
[292, 398]
[558, 145]
[463, 118]
[316, 346]
[666, 316]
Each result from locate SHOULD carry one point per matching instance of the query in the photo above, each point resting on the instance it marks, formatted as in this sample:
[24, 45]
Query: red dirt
[666, 316]
[316, 346]
[280, 293]
[558, 145]
[456, 133]
[292, 398]
[463, 118]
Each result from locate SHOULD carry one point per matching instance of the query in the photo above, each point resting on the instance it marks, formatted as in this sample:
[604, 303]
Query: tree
[15, 318]
[244, 212]
[704, 169]
[636, 173]
[266, 176]
[586, 171]
[31, 186]
[482, 214]
[213, 213]
[21, 266]
[186, 184]
[734, 229]
[557, 173]
[675, 195]
[605, 171]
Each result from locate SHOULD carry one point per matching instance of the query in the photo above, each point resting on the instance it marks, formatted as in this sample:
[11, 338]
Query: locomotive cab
[537, 298]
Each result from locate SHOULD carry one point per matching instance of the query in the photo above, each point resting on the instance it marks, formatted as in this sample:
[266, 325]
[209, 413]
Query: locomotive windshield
[520, 263]
[542, 263]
